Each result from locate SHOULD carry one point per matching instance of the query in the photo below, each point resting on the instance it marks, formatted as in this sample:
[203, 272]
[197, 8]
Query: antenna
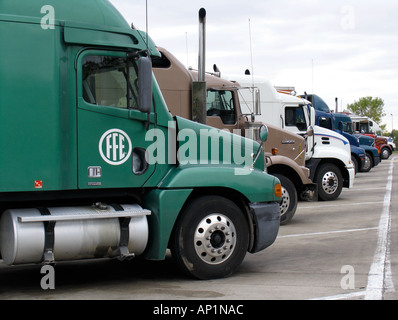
[252, 72]
[251, 52]
[186, 48]
[312, 74]
[146, 23]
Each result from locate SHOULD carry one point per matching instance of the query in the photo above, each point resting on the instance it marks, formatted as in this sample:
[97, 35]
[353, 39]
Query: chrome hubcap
[330, 182]
[285, 202]
[366, 163]
[215, 239]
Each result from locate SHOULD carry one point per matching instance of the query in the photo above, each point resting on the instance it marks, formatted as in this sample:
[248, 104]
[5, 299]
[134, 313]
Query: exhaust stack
[202, 44]
[199, 87]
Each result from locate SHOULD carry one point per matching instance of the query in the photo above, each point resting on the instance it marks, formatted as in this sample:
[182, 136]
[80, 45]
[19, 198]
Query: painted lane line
[324, 233]
[342, 296]
[361, 189]
[377, 272]
[340, 204]
[380, 274]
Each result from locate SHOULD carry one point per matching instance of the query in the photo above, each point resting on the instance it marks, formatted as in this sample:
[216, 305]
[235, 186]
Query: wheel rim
[330, 182]
[366, 164]
[285, 202]
[215, 239]
[386, 154]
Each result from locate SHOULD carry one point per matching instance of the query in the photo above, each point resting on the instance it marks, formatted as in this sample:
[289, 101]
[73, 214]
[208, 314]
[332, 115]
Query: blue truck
[358, 154]
[363, 152]
[372, 153]
[373, 157]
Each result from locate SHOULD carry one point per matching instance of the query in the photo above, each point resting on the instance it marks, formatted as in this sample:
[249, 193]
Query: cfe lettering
[115, 147]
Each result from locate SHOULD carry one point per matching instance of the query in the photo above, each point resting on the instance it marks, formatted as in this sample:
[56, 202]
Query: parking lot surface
[340, 250]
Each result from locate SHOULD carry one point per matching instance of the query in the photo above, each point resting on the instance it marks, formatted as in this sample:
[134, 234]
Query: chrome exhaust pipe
[199, 87]
[202, 44]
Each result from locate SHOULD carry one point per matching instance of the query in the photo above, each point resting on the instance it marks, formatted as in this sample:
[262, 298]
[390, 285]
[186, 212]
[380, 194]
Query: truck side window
[110, 81]
[347, 127]
[325, 123]
[294, 117]
[161, 62]
[221, 103]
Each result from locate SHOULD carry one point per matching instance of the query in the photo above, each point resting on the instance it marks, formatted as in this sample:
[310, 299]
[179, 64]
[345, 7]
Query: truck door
[297, 119]
[111, 130]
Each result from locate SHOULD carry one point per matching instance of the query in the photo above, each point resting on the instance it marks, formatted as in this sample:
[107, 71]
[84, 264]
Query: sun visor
[98, 37]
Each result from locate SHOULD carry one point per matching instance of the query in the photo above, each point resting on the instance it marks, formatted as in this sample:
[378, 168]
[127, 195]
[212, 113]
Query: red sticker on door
[38, 184]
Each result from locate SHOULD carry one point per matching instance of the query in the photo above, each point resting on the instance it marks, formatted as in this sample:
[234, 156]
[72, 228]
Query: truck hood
[353, 140]
[323, 132]
[201, 144]
[331, 144]
[365, 140]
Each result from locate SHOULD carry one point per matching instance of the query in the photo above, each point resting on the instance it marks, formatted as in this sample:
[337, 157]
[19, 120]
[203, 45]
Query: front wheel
[385, 153]
[288, 204]
[330, 182]
[367, 164]
[355, 163]
[211, 238]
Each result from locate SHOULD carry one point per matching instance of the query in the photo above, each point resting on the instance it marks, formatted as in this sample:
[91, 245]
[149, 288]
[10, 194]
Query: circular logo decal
[115, 147]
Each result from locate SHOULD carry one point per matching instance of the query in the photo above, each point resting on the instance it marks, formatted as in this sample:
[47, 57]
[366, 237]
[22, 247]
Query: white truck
[328, 154]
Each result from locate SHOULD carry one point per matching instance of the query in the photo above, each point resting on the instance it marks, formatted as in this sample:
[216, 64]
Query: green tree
[383, 129]
[370, 107]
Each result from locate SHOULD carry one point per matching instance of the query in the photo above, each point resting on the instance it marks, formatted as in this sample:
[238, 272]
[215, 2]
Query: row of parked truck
[112, 148]
[314, 152]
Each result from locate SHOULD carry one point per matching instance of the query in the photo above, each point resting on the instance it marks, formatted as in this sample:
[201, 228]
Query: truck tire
[211, 238]
[330, 182]
[385, 153]
[288, 204]
[367, 163]
[355, 163]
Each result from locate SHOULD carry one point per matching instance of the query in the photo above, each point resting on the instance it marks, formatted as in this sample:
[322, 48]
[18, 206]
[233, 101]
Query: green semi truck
[95, 166]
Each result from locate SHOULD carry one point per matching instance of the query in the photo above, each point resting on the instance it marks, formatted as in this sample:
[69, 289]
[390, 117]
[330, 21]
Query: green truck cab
[95, 166]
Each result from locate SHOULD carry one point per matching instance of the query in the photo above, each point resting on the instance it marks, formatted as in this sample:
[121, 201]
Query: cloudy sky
[343, 48]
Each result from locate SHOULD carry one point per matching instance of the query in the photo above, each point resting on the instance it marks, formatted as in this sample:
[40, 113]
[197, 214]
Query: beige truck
[223, 111]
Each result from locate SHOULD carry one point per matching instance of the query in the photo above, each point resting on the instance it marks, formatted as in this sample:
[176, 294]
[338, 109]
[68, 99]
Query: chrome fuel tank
[77, 233]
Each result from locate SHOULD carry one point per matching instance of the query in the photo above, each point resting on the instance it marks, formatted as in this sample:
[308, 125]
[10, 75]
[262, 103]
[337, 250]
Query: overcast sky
[345, 49]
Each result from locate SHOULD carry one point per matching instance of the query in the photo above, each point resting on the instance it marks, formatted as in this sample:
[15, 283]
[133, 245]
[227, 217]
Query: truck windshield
[110, 81]
[347, 127]
[220, 103]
